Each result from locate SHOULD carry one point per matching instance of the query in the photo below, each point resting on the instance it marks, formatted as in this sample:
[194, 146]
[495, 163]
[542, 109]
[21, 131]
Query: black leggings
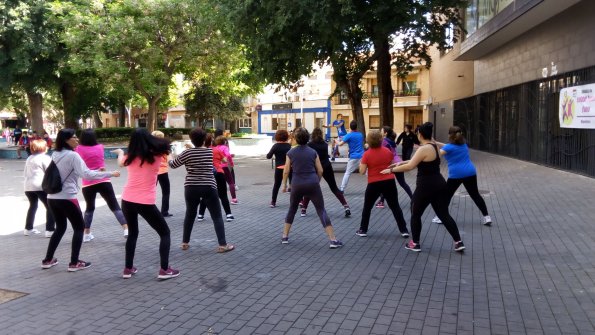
[107, 193]
[470, 183]
[313, 192]
[387, 188]
[278, 181]
[431, 190]
[33, 197]
[407, 151]
[329, 175]
[195, 195]
[63, 209]
[221, 191]
[155, 219]
[163, 180]
[401, 179]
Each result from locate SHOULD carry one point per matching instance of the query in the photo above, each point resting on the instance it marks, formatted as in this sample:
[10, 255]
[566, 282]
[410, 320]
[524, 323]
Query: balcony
[408, 93]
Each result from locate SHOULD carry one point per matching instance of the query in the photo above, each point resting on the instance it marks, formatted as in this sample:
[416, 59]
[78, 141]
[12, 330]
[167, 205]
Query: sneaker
[125, 233]
[332, 159]
[237, 188]
[129, 272]
[49, 233]
[303, 213]
[347, 212]
[335, 244]
[80, 265]
[361, 233]
[413, 246]
[284, 240]
[88, 237]
[167, 215]
[380, 204]
[167, 274]
[273, 204]
[229, 218]
[436, 220]
[405, 234]
[459, 246]
[49, 264]
[234, 201]
[487, 220]
[28, 232]
[200, 218]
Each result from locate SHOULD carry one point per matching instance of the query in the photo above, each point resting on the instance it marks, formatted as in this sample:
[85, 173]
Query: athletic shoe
[234, 201]
[125, 233]
[229, 218]
[459, 246]
[380, 204]
[28, 232]
[332, 159]
[80, 265]
[273, 204]
[284, 240]
[347, 212]
[405, 234]
[436, 220]
[487, 220]
[49, 233]
[167, 274]
[237, 188]
[361, 233]
[335, 244]
[200, 218]
[413, 246]
[87, 238]
[167, 215]
[303, 213]
[49, 264]
[129, 272]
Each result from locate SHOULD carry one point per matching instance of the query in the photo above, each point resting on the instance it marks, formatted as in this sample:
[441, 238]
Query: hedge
[124, 132]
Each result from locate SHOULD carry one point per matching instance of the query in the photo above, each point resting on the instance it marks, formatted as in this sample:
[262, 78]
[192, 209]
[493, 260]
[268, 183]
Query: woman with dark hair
[163, 179]
[306, 170]
[34, 171]
[321, 147]
[144, 156]
[375, 159]
[64, 204]
[93, 154]
[430, 189]
[409, 139]
[461, 171]
[200, 187]
[389, 143]
[279, 151]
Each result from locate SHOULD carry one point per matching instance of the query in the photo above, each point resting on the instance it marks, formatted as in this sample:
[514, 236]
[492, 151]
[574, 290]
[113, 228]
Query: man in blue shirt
[355, 141]
[340, 125]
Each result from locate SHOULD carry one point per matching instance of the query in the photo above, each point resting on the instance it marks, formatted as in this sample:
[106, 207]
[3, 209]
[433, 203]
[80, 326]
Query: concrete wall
[566, 40]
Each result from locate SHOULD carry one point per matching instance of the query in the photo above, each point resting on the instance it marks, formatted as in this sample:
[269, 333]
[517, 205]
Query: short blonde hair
[38, 146]
[158, 133]
[374, 139]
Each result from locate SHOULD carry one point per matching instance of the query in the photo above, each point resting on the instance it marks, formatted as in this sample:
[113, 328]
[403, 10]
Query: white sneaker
[436, 220]
[28, 232]
[237, 188]
[487, 220]
[125, 233]
[88, 237]
[200, 218]
[229, 218]
[49, 234]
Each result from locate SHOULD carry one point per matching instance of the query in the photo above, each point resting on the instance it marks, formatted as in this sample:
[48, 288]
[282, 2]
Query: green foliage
[203, 102]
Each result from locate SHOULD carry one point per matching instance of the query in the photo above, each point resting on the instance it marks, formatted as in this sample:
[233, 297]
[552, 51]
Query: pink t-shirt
[218, 156]
[225, 151]
[141, 185]
[93, 156]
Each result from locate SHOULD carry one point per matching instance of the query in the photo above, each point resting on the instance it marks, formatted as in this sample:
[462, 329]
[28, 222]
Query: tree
[204, 103]
[144, 43]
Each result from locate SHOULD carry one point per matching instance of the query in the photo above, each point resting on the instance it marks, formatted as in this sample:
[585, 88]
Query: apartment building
[503, 81]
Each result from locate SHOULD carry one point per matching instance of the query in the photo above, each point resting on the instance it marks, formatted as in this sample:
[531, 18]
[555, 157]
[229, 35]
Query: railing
[338, 100]
[408, 93]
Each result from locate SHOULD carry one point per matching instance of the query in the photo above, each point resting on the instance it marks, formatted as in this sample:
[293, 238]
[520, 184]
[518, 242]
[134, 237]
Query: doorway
[415, 117]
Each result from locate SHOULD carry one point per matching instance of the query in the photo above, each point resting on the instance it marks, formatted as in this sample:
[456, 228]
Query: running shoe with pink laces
[167, 274]
[128, 272]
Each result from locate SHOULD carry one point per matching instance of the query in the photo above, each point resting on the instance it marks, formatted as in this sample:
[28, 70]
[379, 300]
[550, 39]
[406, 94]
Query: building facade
[502, 82]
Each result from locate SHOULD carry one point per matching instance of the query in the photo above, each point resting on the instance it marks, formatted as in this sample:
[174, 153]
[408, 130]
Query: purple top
[303, 165]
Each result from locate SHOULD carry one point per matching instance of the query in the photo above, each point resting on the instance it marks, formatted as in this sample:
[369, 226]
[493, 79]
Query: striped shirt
[199, 166]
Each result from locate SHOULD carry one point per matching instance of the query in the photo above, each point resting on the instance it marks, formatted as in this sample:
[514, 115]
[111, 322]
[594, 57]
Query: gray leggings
[313, 192]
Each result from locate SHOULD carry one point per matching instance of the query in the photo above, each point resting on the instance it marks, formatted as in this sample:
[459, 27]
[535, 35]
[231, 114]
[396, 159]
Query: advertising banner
[577, 107]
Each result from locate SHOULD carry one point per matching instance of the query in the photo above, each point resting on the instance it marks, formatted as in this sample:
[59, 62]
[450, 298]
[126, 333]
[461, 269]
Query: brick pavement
[532, 272]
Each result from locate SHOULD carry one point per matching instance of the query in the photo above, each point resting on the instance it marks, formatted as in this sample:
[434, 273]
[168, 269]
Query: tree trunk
[152, 114]
[385, 89]
[97, 119]
[121, 114]
[68, 94]
[36, 111]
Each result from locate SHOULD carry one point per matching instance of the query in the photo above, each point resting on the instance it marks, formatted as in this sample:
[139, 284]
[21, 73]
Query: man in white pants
[355, 141]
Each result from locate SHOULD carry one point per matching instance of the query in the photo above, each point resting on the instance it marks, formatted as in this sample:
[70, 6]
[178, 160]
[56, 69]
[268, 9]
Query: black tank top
[432, 168]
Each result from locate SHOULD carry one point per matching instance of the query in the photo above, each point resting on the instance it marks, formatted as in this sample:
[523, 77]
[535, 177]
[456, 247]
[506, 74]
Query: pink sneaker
[49, 264]
[80, 265]
[234, 201]
[380, 204]
[167, 274]
[129, 272]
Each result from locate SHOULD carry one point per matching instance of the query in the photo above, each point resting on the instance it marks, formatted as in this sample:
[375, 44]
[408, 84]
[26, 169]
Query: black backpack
[52, 182]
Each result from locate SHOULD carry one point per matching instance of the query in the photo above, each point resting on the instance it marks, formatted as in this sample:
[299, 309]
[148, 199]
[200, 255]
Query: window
[245, 123]
[409, 88]
[298, 122]
[374, 91]
[106, 123]
[279, 122]
[319, 122]
[374, 122]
